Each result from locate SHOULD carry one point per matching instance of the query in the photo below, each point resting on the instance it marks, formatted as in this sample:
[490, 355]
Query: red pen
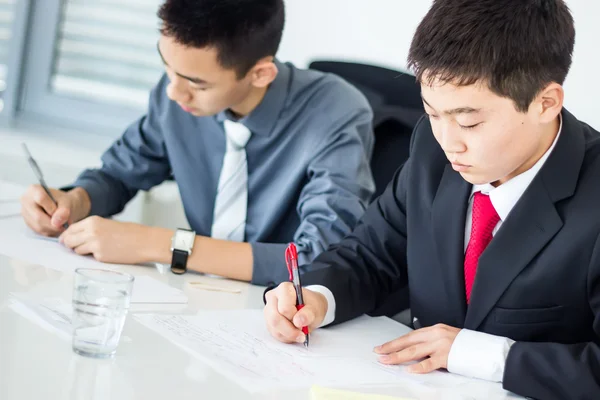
[291, 260]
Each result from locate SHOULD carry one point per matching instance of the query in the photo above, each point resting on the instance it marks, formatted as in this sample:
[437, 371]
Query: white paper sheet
[18, 241]
[51, 313]
[10, 199]
[150, 290]
[54, 316]
[11, 191]
[146, 290]
[9, 208]
[237, 344]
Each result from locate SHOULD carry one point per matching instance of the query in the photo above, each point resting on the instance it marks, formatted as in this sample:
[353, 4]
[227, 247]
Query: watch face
[184, 240]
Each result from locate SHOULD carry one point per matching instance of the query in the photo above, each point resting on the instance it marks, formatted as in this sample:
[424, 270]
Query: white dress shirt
[477, 354]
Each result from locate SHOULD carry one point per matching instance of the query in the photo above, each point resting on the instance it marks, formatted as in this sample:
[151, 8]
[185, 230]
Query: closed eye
[467, 127]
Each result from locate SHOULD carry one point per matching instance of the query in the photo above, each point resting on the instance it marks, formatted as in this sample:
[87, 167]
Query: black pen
[38, 173]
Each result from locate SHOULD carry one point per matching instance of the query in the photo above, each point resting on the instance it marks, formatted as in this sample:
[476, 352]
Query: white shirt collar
[505, 196]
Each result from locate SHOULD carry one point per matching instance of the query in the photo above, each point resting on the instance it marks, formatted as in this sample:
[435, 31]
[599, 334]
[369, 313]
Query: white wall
[379, 32]
[372, 31]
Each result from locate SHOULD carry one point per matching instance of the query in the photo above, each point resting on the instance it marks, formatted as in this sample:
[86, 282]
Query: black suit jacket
[538, 282]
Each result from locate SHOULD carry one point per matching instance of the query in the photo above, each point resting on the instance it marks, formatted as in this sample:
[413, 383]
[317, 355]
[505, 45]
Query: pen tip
[306, 342]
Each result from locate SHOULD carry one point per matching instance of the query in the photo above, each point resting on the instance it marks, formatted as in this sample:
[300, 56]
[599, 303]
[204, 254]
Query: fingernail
[302, 320]
[377, 349]
[300, 339]
[411, 369]
[384, 358]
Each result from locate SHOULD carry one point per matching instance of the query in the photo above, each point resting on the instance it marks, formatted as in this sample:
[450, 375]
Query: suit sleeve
[560, 371]
[369, 264]
[339, 188]
[136, 161]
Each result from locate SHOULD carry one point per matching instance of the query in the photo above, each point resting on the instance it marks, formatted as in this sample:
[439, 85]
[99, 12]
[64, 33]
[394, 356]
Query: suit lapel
[448, 221]
[528, 228]
[531, 224]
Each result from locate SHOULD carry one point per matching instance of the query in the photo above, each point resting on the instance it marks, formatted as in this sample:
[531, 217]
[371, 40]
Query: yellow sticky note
[322, 393]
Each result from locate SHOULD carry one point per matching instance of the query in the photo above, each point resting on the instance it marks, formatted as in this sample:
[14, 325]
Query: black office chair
[396, 101]
[397, 88]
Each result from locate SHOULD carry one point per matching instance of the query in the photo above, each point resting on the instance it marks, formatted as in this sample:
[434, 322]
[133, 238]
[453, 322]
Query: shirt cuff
[479, 355]
[330, 314]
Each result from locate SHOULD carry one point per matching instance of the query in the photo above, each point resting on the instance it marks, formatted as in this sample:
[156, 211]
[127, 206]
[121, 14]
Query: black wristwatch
[182, 243]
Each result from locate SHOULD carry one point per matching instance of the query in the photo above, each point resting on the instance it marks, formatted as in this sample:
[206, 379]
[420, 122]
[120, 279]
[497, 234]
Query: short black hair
[242, 31]
[517, 47]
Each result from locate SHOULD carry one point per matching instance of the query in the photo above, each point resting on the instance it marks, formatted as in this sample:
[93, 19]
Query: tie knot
[237, 135]
[485, 217]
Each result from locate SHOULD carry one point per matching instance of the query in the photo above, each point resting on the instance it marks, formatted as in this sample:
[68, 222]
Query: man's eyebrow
[197, 81]
[454, 111]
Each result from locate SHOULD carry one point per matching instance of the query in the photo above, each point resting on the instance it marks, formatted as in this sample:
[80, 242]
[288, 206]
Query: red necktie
[485, 219]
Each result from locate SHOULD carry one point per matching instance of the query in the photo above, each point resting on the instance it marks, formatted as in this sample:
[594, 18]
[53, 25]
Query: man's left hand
[431, 344]
[109, 241]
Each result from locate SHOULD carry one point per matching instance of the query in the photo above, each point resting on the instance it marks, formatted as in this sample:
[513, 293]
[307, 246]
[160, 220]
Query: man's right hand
[45, 217]
[284, 322]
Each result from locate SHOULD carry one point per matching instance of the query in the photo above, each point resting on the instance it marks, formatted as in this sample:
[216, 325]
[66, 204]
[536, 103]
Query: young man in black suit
[493, 222]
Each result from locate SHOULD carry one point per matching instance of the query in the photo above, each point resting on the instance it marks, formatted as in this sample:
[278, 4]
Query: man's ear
[264, 72]
[549, 102]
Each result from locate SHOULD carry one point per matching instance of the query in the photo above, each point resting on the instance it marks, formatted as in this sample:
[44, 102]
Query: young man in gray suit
[263, 154]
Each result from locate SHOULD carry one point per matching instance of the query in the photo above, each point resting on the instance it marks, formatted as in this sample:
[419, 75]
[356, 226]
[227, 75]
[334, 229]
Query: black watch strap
[179, 261]
[267, 290]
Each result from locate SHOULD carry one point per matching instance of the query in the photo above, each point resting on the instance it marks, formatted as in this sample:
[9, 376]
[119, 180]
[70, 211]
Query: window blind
[6, 20]
[106, 51]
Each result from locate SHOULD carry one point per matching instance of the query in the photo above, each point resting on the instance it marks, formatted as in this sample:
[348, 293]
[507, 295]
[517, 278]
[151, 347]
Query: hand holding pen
[48, 211]
[283, 319]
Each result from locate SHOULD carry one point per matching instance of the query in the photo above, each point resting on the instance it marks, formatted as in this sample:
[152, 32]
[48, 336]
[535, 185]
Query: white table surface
[39, 364]
[36, 363]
